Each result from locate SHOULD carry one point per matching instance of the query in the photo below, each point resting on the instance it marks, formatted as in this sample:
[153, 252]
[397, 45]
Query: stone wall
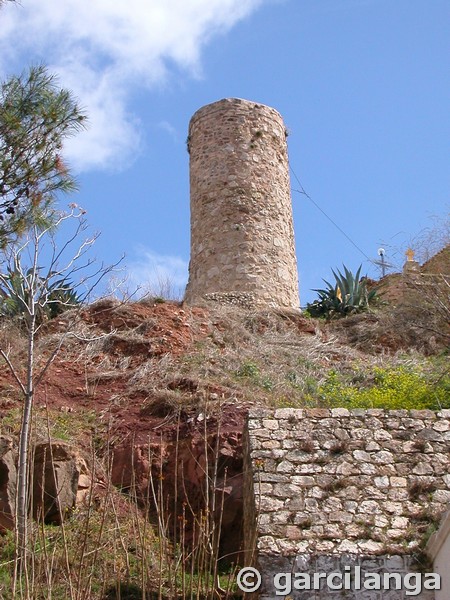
[242, 237]
[338, 487]
[438, 548]
[439, 263]
[361, 570]
[418, 285]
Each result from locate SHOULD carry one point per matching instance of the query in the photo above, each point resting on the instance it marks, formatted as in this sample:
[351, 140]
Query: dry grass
[109, 548]
[230, 356]
[267, 358]
[422, 324]
[259, 357]
[105, 544]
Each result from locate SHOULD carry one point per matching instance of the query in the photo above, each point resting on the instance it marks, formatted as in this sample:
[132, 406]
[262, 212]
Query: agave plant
[49, 299]
[62, 296]
[348, 295]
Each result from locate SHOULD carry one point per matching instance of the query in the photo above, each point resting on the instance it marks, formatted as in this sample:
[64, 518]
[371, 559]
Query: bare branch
[13, 371]
[55, 352]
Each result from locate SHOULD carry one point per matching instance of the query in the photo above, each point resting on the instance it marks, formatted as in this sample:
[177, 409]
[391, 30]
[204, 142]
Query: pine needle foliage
[36, 116]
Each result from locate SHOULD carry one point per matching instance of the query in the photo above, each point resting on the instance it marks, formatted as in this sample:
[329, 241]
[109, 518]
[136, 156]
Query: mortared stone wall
[336, 488]
[242, 236]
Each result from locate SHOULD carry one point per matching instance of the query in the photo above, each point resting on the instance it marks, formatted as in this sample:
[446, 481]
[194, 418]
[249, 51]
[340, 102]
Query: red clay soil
[145, 434]
[163, 329]
[148, 442]
[135, 332]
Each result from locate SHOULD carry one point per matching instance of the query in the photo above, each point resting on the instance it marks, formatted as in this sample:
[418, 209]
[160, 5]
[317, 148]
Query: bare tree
[30, 293]
[428, 242]
[431, 239]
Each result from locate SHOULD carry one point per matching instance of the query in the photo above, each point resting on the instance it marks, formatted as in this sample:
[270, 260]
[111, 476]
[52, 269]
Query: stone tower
[242, 236]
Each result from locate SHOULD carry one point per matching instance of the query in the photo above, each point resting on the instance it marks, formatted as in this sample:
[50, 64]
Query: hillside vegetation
[178, 380]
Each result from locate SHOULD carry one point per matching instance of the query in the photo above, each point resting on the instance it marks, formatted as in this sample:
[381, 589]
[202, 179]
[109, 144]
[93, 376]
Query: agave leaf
[331, 287]
[320, 291]
[340, 284]
[348, 277]
[19, 288]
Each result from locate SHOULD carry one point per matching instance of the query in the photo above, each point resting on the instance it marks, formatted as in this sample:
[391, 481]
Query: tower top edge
[232, 104]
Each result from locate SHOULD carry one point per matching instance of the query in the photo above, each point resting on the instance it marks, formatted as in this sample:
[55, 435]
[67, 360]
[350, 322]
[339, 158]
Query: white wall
[438, 548]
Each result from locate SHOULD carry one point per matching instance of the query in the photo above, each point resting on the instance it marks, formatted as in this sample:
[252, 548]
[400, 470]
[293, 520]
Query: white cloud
[158, 274]
[170, 130]
[102, 50]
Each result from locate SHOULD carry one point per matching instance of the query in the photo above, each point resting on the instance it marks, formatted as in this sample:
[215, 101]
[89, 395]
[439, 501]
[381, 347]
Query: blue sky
[363, 86]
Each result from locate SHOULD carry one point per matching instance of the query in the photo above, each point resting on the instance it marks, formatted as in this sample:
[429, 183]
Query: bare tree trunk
[33, 296]
[23, 466]
[23, 476]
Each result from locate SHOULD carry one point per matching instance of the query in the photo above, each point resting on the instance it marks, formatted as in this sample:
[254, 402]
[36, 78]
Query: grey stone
[8, 481]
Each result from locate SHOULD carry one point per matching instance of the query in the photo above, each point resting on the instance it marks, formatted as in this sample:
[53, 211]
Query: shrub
[392, 388]
[248, 369]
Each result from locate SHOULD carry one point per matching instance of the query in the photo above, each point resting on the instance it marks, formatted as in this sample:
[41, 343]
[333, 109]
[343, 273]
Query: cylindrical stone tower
[242, 236]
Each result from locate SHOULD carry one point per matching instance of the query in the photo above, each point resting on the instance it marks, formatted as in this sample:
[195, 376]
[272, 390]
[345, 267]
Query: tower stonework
[242, 235]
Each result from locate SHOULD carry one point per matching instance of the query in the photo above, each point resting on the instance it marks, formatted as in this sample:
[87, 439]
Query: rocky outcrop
[60, 480]
[182, 472]
[7, 483]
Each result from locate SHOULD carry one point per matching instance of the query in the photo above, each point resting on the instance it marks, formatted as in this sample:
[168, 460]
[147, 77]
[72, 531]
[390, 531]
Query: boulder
[60, 480]
[8, 479]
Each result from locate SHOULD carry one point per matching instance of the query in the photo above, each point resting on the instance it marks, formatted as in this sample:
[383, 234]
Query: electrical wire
[304, 193]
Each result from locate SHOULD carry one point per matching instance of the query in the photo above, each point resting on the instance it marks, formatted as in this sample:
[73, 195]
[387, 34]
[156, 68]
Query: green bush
[392, 388]
[252, 372]
[248, 369]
